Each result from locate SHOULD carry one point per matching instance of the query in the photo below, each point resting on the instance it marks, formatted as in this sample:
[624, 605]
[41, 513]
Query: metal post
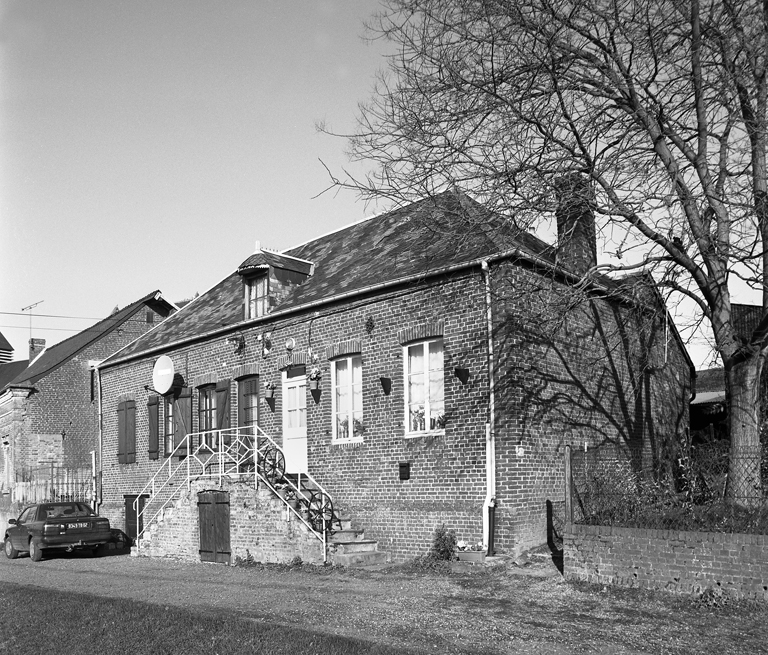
[568, 489]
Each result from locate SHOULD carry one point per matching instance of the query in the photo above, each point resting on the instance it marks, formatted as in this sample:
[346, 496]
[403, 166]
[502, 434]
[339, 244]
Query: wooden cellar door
[213, 508]
[133, 526]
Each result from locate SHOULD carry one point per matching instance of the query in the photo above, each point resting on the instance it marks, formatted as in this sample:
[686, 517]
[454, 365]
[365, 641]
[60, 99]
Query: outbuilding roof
[56, 355]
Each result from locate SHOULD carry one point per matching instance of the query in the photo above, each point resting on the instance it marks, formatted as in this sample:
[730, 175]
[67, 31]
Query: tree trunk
[744, 487]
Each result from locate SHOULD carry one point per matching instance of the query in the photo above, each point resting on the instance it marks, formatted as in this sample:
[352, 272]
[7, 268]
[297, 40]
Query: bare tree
[661, 103]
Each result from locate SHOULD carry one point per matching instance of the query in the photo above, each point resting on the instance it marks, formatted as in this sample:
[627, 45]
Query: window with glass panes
[348, 398]
[424, 398]
[256, 296]
[248, 401]
[295, 398]
[207, 413]
[168, 428]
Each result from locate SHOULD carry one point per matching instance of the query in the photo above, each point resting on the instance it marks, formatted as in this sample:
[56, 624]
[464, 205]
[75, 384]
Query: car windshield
[66, 510]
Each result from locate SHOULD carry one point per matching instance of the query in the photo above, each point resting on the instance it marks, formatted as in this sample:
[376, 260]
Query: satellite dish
[162, 375]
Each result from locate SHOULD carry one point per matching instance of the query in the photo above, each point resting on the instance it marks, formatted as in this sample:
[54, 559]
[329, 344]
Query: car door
[20, 534]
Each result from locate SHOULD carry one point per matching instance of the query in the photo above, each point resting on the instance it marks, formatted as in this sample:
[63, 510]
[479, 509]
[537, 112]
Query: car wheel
[10, 551]
[35, 552]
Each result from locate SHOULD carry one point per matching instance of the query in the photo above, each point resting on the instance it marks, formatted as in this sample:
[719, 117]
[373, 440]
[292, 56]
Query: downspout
[99, 472]
[490, 426]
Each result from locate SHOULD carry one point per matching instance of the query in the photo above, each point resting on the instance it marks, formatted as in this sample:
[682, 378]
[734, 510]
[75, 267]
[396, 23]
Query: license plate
[75, 526]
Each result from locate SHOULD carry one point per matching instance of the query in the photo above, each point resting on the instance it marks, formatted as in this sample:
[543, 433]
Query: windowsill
[426, 433]
[340, 442]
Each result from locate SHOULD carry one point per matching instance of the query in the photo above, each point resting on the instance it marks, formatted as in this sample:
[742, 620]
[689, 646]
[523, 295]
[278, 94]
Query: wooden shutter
[153, 413]
[130, 431]
[182, 418]
[121, 433]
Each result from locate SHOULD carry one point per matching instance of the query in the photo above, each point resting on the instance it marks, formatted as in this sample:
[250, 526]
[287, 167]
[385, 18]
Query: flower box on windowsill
[474, 556]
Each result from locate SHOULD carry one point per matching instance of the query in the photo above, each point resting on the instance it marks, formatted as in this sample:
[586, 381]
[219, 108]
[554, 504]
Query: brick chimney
[576, 241]
[36, 346]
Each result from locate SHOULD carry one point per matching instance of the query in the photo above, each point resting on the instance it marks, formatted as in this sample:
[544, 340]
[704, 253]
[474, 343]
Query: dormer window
[256, 296]
[268, 277]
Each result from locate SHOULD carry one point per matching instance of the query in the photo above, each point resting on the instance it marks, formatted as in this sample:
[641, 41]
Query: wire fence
[709, 489]
[52, 483]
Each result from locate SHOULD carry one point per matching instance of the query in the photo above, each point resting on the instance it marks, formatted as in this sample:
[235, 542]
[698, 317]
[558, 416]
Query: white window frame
[168, 409]
[256, 304]
[352, 388]
[409, 431]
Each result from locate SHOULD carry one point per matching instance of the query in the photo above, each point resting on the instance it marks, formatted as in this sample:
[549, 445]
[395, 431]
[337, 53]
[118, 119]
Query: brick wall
[687, 562]
[562, 377]
[260, 526]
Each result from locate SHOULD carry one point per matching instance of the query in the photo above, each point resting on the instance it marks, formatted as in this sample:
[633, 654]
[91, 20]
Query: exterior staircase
[347, 545]
[250, 454]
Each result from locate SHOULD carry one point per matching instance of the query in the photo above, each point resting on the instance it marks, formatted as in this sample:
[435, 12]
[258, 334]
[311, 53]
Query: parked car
[55, 526]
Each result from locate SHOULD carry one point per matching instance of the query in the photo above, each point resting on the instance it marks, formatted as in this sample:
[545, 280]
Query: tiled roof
[420, 238]
[55, 356]
[9, 371]
[710, 380]
[429, 236]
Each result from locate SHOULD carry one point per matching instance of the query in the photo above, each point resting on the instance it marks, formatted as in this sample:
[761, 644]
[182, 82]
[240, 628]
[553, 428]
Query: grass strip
[36, 620]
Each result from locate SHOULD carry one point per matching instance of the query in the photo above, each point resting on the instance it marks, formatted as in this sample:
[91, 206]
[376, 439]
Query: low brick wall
[260, 526]
[686, 562]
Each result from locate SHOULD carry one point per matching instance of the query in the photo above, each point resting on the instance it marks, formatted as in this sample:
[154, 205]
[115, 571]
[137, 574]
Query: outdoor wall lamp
[238, 342]
[462, 374]
[386, 385]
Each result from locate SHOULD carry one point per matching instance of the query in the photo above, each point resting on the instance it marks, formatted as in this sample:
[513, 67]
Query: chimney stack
[576, 240]
[36, 346]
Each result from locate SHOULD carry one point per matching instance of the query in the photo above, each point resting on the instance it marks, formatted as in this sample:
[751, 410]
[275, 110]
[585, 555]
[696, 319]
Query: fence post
[568, 489]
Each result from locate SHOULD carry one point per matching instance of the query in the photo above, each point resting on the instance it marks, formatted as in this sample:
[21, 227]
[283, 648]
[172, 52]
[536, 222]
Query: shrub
[443, 544]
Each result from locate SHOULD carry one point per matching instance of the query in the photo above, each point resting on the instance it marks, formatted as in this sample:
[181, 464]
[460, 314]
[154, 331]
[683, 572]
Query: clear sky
[147, 144]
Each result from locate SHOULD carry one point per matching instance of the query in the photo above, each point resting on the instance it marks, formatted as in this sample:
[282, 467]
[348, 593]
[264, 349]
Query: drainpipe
[490, 427]
[97, 501]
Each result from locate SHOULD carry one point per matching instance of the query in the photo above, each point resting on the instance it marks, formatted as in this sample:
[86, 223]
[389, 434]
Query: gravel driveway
[506, 609]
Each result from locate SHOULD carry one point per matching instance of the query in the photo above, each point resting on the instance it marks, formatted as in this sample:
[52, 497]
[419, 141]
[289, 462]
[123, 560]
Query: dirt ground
[469, 609]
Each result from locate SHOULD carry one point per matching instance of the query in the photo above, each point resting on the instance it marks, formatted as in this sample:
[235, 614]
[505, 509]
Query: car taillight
[54, 528]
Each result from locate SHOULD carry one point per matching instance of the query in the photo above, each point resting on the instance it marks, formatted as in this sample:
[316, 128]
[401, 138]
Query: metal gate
[213, 508]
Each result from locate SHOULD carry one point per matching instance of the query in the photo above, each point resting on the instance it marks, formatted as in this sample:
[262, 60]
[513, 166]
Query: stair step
[361, 546]
[367, 558]
[343, 536]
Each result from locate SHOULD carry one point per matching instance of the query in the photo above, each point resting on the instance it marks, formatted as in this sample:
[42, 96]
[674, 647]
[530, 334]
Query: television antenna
[30, 308]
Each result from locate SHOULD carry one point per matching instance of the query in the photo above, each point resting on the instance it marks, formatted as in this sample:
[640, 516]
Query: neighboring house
[457, 357]
[709, 409]
[48, 410]
[6, 350]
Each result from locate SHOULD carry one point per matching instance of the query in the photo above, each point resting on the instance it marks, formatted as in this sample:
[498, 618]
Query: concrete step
[360, 546]
[341, 536]
[359, 559]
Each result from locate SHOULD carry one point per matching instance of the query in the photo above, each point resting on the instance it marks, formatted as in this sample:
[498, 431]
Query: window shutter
[153, 407]
[182, 418]
[223, 407]
[130, 432]
[121, 433]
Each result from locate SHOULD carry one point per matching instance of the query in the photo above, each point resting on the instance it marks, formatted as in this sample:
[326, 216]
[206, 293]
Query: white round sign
[162, 375]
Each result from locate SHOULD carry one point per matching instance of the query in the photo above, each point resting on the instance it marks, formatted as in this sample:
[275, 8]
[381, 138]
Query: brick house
[457, 356]
[48, 411]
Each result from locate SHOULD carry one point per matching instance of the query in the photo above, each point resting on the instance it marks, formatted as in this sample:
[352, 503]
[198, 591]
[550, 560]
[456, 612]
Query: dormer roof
[264, 259]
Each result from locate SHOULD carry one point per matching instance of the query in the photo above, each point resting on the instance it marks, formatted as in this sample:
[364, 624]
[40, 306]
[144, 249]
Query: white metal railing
[243, 452]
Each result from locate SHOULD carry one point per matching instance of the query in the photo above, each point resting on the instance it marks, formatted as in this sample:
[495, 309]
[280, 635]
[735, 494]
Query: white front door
[295, 419]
